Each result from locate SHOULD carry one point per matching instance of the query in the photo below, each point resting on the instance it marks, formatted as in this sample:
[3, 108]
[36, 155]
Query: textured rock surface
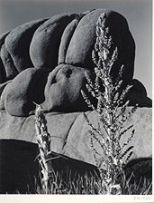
[58, 90]
[45, 43]
[18, 41]
[28, 87]
[65, 43]
[81, 45]
[69, 132]
[62, 91]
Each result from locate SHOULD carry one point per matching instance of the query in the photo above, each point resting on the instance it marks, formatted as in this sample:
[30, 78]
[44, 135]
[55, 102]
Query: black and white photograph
[76, 98]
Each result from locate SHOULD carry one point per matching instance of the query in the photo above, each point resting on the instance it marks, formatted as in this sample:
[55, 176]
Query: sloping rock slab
[70, 132]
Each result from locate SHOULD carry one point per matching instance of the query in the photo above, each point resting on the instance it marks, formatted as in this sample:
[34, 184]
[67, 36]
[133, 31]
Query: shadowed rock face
[18, 166]
[19, 173]
[60, 50]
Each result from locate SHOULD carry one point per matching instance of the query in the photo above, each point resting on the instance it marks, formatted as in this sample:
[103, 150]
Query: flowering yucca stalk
[111, 110]
[43, 140]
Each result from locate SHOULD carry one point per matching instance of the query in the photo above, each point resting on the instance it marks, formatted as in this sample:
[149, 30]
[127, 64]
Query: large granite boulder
[70, 132]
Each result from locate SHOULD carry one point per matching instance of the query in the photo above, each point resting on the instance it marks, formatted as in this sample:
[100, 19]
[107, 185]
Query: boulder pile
[46, 62]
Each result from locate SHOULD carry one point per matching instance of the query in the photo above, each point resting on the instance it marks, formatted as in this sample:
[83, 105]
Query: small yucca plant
[43, 140]
[111, 108]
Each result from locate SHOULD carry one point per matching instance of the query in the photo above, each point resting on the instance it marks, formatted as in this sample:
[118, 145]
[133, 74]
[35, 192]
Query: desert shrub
[111, 108]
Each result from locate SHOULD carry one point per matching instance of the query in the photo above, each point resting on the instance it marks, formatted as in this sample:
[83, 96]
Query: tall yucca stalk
[111, 110]
[43, 140]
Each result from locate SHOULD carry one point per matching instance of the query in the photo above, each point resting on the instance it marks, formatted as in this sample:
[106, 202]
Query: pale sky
[137, 12]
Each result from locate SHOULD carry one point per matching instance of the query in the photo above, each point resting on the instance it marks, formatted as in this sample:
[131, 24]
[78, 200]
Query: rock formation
[46, 62]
